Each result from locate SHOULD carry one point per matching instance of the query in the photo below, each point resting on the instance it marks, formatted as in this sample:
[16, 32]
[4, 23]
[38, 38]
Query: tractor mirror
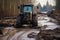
[18, 7]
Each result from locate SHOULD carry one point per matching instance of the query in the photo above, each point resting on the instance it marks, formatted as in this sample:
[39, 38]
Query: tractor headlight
[30, 12]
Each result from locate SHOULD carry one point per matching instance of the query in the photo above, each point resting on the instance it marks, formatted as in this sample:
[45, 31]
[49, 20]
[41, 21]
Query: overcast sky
[43, 2]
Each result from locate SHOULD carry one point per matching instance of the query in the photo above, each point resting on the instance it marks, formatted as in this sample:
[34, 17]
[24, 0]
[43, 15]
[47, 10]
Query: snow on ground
[22, 35]
[50, 22]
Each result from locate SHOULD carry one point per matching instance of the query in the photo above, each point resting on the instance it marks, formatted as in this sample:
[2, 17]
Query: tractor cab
[26, 8]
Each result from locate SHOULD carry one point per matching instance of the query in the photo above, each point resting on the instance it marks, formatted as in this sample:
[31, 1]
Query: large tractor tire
[19, 21]
[34, 21]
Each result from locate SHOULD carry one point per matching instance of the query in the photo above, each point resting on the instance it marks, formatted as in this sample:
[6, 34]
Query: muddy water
[20, 35]
[50, 22]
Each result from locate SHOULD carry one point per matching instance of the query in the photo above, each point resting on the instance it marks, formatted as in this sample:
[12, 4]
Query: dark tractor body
[26, 16]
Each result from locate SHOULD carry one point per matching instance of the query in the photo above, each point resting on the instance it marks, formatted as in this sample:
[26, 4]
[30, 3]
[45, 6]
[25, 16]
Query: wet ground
[44, 20]
[19, 34]
[11, 33]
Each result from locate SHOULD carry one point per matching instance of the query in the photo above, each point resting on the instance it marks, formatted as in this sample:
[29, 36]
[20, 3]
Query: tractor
[26, 16]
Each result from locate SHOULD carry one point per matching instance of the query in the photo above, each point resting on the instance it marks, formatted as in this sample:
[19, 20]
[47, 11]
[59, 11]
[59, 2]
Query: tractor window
[27, 9]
